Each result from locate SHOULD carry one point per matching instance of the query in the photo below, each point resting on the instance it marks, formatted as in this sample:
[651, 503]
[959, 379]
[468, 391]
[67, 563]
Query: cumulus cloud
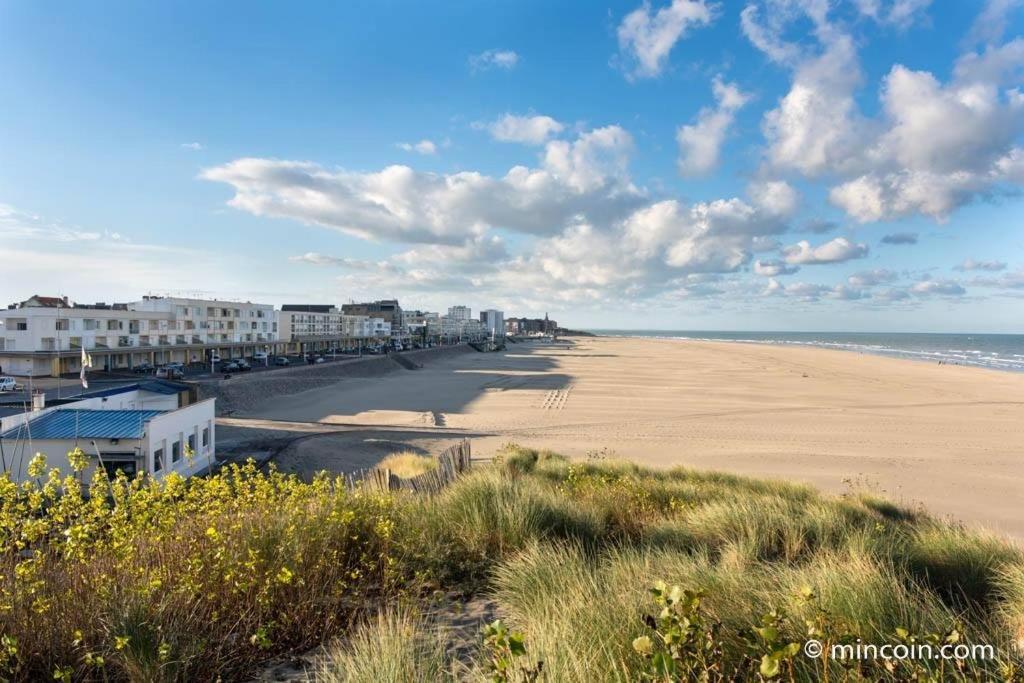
[835, 251]
[587, 176]
[871, 278]
[647, 36]
[974, 264]
[421, 147]
[938, 287]
[505, 60]
[944, 144]
[773, 268]
[701, 142]
[530, 130]
[900, 238]
[816, 127]
[936, 145]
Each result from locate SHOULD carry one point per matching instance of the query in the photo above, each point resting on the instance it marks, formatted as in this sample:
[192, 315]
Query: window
[206, 437]
[158, 460]
[21, 326]
[62, 324]
[192, 443]
[175, 451]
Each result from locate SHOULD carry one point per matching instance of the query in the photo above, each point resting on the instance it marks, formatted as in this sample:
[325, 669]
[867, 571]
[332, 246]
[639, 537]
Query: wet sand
[948, 437]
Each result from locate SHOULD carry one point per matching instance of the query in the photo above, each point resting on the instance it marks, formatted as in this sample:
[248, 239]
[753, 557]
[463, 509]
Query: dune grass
[407, 464]
[208, 578]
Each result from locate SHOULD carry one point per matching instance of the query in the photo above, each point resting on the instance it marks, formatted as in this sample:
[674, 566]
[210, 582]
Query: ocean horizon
[993, 351]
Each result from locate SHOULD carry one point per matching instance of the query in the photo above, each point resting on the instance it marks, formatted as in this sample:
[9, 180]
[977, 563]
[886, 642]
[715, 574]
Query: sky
[845, 165]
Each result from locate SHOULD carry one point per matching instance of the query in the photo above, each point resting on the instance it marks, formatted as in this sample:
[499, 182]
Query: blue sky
[686, 164]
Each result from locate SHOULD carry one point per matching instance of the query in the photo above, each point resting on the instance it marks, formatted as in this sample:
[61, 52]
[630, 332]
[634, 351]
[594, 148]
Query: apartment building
[493, 322]
[45, 335]
[530, 326]
[387, 309]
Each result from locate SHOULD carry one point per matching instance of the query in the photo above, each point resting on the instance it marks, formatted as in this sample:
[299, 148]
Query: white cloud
[700, 143]
[871, 278]
[595, 158]
[505, 60]
[585, 177]
[974, 264]
[899, 13]
[835, 251]
[936, 145]
[23, 225]
[530, 130]
[990, 25]
[194, 146]
[1013, 280]
[816, 127]
[421, 147]
[647, 36]
[938, 287]
[773, 268]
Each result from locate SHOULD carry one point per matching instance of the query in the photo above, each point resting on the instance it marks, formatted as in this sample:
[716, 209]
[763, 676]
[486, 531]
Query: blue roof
[66, 423]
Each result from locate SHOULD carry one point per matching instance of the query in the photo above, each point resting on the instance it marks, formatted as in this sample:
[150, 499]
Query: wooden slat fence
[451, 463]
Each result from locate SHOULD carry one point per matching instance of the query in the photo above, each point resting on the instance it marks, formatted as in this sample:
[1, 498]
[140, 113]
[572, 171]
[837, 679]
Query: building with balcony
[46, 335]
[387, 309]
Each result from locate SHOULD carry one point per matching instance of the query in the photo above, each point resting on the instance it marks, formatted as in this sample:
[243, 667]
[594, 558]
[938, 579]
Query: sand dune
[946, 436]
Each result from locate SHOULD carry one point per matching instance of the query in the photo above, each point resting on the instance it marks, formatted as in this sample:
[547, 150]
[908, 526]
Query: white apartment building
[45, 335]
[460, 312]
[365, 327]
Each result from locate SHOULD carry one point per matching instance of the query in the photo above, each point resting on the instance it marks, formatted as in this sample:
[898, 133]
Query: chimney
[38, 400]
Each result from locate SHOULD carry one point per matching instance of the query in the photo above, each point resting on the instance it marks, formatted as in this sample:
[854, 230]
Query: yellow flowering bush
[185, 579]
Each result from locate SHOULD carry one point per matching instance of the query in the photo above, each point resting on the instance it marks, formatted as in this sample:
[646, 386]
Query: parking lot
[69, 385]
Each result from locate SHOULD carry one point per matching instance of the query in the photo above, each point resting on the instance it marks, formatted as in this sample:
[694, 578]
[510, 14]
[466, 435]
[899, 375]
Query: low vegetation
[407, 464]
[597, 570]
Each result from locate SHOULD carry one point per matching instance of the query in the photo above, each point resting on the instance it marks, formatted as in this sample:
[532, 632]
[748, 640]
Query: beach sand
[948, 437]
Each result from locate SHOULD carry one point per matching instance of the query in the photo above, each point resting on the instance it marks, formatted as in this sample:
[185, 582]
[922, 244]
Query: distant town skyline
[675, 164]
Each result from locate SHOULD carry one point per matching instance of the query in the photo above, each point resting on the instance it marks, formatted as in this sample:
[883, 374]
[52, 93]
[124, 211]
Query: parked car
[230, 366]
[214, 357]
[170, 372]
[242, 364]
[260, 356]
[8, 384]
[318, 359]
[281, 360]
[144, 368]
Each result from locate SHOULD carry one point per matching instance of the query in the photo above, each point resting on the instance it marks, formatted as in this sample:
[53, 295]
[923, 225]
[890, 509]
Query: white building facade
[45, 335]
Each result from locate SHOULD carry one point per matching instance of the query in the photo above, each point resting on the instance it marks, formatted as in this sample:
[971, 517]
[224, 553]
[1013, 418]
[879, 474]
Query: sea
[995, 351]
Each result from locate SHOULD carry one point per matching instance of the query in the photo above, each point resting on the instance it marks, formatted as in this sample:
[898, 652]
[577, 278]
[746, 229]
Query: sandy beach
[948, 437]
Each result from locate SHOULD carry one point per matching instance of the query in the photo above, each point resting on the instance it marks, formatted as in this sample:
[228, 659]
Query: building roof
[66, 423]
[155, 386]
[307, 308]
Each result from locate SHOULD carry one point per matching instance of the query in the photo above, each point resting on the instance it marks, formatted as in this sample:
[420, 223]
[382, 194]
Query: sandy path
[949, 437]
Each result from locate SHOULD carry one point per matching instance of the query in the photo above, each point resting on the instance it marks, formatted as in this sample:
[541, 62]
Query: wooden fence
[451, 463]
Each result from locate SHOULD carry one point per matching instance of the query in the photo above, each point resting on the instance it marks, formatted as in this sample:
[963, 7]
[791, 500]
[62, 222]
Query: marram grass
[211, 577]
